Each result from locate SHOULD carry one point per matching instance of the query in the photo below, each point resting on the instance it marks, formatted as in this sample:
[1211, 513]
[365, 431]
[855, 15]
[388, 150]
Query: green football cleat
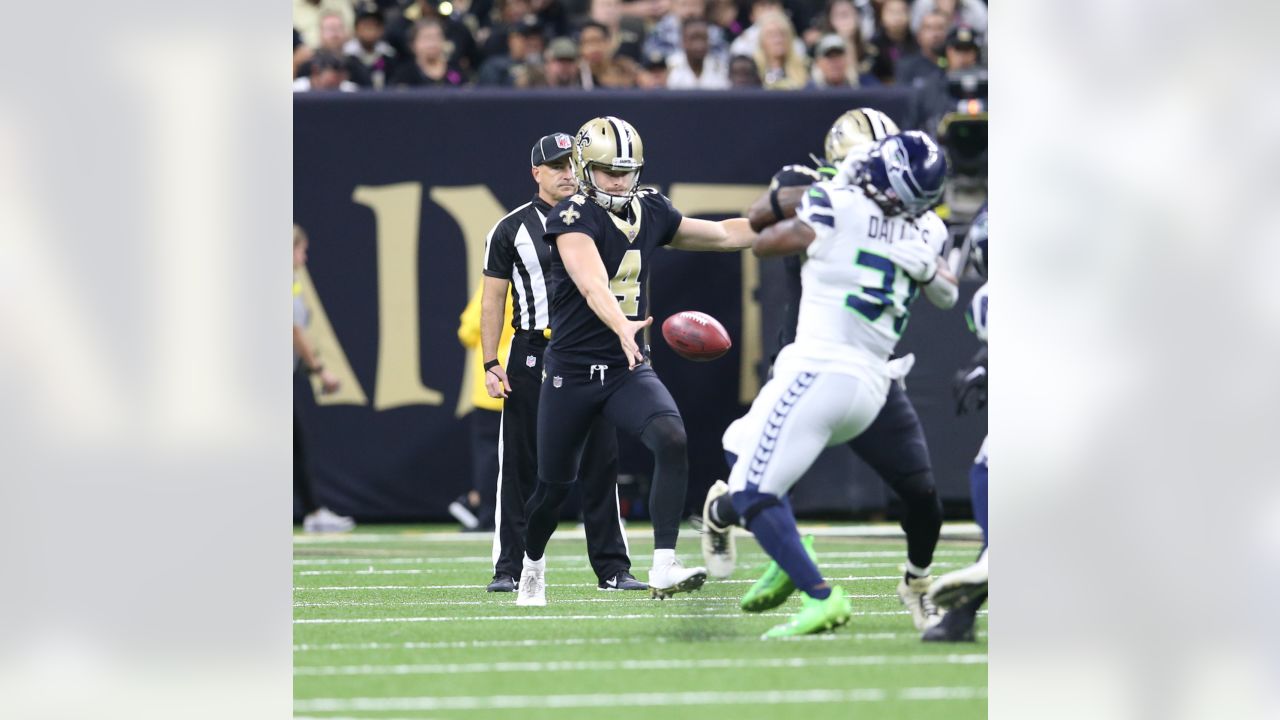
[774, 586]
[816, 616]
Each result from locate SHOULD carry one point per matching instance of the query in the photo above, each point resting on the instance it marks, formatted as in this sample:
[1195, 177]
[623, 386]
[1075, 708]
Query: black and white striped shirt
[515, 251]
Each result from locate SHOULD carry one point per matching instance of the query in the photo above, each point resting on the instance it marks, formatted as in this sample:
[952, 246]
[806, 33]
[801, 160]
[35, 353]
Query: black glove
[970, 384]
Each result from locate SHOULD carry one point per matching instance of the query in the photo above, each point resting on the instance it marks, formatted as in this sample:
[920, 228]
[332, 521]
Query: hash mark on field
[611, 700]
[555, 666]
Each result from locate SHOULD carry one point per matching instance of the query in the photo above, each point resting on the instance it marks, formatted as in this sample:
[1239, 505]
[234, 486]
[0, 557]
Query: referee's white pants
[796, 415]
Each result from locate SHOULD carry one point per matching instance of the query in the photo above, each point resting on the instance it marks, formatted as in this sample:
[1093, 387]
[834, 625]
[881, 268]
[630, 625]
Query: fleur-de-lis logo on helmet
[608, 143]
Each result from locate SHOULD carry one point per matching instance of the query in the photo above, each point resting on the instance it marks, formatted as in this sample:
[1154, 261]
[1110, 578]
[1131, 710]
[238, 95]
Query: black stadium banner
[397, 192]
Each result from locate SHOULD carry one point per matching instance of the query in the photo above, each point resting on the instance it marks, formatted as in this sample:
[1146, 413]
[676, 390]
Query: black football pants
[518, 472]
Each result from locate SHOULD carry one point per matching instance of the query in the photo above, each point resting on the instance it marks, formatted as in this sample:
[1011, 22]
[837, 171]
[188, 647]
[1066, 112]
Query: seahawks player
[894, 445]
[868, 256]
[963, 591]
[602, 239]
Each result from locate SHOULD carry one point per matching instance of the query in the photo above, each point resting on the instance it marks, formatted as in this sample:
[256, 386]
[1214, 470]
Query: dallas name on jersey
[853, 296]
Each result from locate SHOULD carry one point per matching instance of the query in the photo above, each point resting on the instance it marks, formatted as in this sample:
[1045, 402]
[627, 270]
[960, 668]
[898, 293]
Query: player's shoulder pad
[794, 176]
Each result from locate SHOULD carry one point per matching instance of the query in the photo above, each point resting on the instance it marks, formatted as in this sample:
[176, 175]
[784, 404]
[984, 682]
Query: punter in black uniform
[894, 444]
[516, 257]
[602, 240]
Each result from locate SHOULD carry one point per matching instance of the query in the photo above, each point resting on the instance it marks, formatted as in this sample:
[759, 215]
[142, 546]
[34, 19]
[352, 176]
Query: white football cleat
[532, 590]
[960, 586]
[674, 578]
[324, 520]
[719, 550]
[914, 594]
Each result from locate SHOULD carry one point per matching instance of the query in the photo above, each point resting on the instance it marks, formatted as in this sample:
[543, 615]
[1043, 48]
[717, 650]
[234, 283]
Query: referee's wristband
[491, 365]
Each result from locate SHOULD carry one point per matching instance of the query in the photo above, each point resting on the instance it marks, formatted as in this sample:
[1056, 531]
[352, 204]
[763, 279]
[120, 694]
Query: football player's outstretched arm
[586, 269]
[723, 236]
[785, 238]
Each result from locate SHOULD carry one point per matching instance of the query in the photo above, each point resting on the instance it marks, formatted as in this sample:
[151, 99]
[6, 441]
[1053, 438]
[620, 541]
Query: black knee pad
[919, 493]
[665, 435]
[555, 493]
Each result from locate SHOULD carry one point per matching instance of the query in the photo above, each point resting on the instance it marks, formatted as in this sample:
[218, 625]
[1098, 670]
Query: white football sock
[540, 564]
[917, 571]
[663, 558]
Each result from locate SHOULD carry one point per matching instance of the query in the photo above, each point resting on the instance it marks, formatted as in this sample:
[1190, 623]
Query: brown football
[696, 336]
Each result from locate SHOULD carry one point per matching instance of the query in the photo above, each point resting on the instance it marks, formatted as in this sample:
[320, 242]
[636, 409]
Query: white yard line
[613, 700]
[743, 558]
[483, 644]
[432, 571]
[614, 597]
[503, 618]
[950, 531]
[555, 666]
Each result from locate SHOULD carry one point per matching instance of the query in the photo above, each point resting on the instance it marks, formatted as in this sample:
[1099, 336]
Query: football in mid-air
[696, 336]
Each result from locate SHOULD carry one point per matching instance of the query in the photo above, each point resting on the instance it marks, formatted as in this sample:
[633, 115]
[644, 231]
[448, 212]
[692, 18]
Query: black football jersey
[626, 244]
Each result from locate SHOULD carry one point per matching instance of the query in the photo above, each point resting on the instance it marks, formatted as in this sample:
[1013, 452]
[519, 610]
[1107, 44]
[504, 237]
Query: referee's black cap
[551, 148]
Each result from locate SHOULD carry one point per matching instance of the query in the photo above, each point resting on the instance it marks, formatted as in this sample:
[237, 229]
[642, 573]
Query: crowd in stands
[387, 45]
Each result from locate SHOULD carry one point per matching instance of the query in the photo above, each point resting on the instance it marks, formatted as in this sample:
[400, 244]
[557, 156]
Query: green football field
[394, 622]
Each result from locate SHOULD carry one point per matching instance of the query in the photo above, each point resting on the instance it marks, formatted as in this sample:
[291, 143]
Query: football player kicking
[894, 444]
[867, 258]
[602, 239]
[964, 591]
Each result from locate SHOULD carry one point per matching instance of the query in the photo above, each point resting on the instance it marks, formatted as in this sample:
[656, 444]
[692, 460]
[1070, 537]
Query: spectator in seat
[743, 72]
[510, 15]
[627, 33]
[831, 67]
[599, 67]
[694, 68]
[653, 72]
[333, 38]
[782, 67]
[749, 40]
[667, 36]
[843, 18]
[925, 66]
[524, 49]
[462, 49]
[430, 65]
[325, 72]
[561, 67]
[970, 13]
[374, 54]
[893, 41]
[307, 14]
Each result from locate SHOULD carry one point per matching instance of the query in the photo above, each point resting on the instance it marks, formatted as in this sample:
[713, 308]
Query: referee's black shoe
[622, 581]
[502, 583]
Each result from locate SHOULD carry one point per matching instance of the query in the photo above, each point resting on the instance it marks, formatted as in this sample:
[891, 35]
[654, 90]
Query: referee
[516, 254]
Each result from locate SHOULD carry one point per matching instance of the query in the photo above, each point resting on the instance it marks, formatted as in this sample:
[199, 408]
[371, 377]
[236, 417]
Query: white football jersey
[854, 298]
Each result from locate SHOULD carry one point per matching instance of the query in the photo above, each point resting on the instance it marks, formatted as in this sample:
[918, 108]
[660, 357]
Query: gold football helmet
[856, 131]
[609, 143]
